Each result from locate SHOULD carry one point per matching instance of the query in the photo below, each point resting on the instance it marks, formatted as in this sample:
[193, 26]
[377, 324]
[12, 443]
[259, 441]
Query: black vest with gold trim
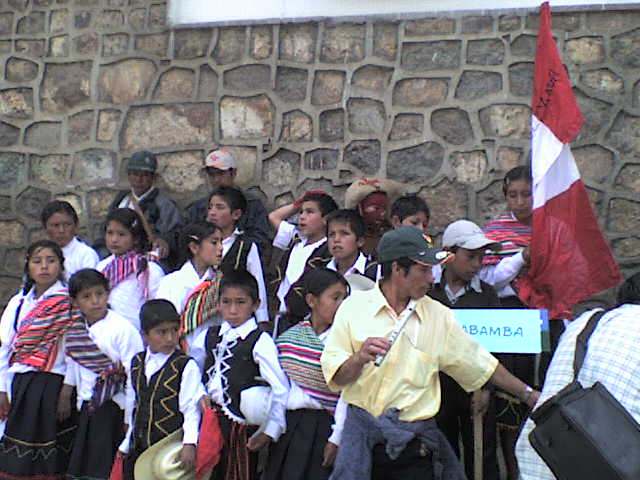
[157, 401]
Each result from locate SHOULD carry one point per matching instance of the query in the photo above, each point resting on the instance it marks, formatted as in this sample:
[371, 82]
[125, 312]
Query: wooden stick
[477, 440]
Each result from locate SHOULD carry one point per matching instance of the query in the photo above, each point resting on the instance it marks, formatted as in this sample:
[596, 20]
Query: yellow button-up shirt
[407, 380]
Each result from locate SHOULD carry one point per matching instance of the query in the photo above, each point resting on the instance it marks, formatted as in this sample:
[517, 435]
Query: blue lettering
[483, 331]
[473, 329]
[494, 331]
[466, 330]
[506, 332]
[519, 332]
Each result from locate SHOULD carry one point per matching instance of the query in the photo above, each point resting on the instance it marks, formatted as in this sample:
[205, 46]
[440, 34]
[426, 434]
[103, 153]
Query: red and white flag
[570, 258]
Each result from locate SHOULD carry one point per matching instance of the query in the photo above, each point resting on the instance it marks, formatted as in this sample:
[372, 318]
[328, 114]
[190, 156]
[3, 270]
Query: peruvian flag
[570, 259]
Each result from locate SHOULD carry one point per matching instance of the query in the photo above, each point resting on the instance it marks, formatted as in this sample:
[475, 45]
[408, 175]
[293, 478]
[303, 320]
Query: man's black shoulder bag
[585, 433]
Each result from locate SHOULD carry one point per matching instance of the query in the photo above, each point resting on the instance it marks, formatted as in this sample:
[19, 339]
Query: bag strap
[583, 340]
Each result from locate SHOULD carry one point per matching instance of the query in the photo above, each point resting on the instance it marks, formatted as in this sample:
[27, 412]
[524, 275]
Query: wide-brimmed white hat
[466, 234]
[255, 404]
[161, 461]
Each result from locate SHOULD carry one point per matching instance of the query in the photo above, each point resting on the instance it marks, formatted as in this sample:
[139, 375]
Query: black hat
[143, 161]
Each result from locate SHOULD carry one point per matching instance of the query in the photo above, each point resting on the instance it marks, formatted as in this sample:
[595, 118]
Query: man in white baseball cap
[220, 168]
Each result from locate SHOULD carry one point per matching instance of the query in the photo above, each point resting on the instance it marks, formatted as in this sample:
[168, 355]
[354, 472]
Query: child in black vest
[226, 206]
[241, 361]
[166, 385]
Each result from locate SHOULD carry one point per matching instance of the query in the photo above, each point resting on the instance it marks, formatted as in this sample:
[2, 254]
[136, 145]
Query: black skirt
[97, 439]
[299, 452]
[35, 445]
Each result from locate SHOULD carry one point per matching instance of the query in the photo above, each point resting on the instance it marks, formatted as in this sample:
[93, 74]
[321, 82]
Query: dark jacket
[253, 223]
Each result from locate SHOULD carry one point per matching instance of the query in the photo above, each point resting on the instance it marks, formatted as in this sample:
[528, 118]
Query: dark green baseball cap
[143, 161]
[409, 242]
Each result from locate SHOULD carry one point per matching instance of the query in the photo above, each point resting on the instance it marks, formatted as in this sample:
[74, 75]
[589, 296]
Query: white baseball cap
[220, 159]
[466, 234]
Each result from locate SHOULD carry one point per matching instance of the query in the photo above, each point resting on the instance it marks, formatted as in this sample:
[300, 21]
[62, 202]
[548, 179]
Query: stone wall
[439, 103]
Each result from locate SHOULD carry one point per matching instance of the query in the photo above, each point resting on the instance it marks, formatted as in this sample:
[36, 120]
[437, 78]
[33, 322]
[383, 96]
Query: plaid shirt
[613, 358]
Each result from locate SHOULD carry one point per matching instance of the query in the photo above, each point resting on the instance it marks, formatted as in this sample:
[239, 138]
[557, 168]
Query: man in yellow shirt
[393, 389]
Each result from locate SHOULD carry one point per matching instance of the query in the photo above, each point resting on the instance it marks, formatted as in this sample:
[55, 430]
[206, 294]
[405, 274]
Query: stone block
[625, 48]
[32, 48]
[75, 201]
[363, 155]
[14, 263]
[629, 178]
[114, 44]
[59, 20]
[452, 124]
[281, 170]
[32, 201]
[624, 215]
[623, 135]
[137, 19]
[420, 92]
[59, 46]
[207, 83]
[9, 134]
[5, 47]
[42, 3]
[298, 42]
[109, 19]
[94, 166]
[415, 164]
[478, 84]
[365, 116]
[470, 167]
[179, 170]
[168, 125]
[12, 233]
[176, 84]
[297, 126]
[385, 40]
[82, 19]
[153, 44]
[191, 43]
[16, 103]
[126, 81]
[332, 125]
[231, 45]
[291, 83]
[248, 77]
[560, 21]
[449, 199]
[430, 26]
[407, 125]
[43, 135]
[477, 24]
[585, 50]
[246, 117]
[246, 160]
[158, 15]
[32, 24]
[343, 43]
[6, 23]
[18, 5]
[508, 158]
[81, 127]
[508, 23]
[612, 21]
[604, 81]
[65, 86]
[321, 159]
[9, 285]
[427, 56]
[595, 114]
[490, 202]
[318, 183]
[108, 125]
[261, 46]
[13, 170]
[524, 46]
[50, 170]
[506, 120]
[594, 162]
[99, 201]
[372, 77]
[626, 247]
[87, 43]
[328, 86]
[521, 79]
[636, 95]
[485, 52]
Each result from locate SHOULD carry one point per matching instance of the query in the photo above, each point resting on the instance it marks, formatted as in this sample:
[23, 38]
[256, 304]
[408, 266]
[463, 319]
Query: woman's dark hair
[315, 282]
[86, 278]
[630, 290]
[130, 220]
[58, 206]
[195, 233]
[28, 282]
[521, 172]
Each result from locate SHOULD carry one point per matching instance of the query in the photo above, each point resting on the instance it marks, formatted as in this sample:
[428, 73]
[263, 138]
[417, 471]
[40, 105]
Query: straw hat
[360, 189]
[161, 461]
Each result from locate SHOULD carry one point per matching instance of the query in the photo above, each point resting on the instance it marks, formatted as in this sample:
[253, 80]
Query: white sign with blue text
[504, 330]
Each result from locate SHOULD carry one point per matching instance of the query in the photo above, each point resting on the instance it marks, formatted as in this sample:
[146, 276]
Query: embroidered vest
[236, 257]
[157, 407]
